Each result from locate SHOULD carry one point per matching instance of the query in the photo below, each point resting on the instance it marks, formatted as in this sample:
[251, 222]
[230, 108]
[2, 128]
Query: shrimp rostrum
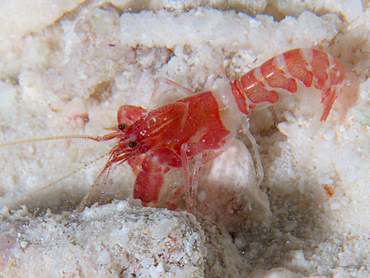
[201, 125]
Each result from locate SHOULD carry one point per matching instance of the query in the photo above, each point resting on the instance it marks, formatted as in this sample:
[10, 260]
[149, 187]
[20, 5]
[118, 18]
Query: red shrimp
[203, 123]
[200, 125]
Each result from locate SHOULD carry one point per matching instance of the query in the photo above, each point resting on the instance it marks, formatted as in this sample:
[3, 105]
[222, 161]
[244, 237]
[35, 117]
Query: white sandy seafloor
[67, 68]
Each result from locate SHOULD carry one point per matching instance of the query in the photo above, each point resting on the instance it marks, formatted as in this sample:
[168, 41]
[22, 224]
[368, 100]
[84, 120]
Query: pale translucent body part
[258, 163]
[158, 95]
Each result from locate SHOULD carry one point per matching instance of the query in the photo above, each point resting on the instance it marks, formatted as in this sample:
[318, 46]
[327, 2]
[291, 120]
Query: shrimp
[201, 125]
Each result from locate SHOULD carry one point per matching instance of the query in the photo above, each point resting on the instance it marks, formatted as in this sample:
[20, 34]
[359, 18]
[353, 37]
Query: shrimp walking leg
[258, 163]
[186, 186]
[170, 82]
[164, 80]
[185, 167]
[191, 183]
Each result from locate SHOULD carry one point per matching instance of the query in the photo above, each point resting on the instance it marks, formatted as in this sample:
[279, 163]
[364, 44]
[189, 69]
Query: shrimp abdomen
[311, 67]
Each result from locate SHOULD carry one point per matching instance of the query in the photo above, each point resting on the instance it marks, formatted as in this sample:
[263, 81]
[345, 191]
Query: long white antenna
[69, 174]
[95, 138]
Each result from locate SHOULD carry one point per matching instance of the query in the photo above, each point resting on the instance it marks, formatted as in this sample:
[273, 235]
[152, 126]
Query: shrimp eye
[122, 126]
[132, 144]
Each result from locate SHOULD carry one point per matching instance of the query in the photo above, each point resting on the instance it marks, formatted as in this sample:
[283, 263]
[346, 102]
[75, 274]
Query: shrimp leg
[258, 163]
[156, 92]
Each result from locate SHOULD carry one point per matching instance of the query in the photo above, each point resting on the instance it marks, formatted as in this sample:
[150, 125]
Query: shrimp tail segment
[312, 67]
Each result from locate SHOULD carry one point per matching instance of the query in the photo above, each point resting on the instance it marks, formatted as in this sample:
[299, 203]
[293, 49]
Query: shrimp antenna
[69, 174]
[95, 138]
